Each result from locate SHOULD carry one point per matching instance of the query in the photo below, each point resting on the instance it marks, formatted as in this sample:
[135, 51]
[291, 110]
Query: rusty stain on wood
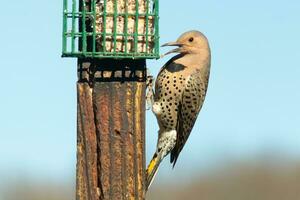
[111, 129]
[86, 145]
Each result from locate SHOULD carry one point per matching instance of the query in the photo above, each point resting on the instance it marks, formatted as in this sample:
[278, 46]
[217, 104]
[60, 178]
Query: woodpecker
[180, 90]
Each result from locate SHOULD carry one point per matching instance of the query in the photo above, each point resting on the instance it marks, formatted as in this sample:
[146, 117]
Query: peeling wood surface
[111, 129]
[86, 146]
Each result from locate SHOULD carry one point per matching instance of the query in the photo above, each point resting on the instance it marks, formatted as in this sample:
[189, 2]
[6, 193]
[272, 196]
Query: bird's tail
[152, 170]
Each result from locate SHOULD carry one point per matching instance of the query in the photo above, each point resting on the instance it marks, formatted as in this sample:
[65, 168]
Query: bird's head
[191, 42]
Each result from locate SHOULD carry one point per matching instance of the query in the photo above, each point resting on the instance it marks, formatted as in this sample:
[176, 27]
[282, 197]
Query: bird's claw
[150, 91]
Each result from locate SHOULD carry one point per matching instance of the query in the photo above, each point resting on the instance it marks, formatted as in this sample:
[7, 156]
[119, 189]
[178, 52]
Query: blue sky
[252, 106]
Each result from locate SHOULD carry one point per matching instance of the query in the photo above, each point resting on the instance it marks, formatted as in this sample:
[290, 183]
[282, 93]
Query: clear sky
[252, 106]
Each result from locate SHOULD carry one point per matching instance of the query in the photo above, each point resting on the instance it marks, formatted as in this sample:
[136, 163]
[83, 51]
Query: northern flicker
[180, 89]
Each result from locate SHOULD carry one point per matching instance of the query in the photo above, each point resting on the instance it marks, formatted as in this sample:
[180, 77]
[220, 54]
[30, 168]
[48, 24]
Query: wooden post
[111, 129]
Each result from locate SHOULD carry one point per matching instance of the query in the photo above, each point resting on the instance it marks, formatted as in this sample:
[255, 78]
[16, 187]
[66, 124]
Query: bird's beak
[176, 50]
[171, 44]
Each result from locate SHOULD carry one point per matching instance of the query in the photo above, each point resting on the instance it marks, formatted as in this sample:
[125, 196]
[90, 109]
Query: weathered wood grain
[86, 145]
[111, 111]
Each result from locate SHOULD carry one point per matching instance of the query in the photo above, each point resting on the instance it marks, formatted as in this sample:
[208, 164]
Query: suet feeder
[112, 40]
[110, 29]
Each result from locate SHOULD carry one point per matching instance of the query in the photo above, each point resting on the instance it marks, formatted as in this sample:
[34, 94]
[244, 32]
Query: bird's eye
[191, 39]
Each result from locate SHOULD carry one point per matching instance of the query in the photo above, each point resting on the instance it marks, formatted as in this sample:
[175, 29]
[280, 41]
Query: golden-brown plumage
[180, 91]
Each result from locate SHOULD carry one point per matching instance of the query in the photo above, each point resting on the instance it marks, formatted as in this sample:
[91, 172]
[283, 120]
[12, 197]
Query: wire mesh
[110, 28]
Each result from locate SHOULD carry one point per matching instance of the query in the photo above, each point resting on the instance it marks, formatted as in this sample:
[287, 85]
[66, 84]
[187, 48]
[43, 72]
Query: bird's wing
[192, 99]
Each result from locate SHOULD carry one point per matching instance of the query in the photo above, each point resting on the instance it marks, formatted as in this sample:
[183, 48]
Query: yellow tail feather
[152, 170]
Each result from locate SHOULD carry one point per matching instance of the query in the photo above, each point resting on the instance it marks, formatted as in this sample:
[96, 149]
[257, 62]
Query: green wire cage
[110, 29]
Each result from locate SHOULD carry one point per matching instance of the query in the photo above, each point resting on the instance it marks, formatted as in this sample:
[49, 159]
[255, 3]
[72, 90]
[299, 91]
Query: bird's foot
[150, 91]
